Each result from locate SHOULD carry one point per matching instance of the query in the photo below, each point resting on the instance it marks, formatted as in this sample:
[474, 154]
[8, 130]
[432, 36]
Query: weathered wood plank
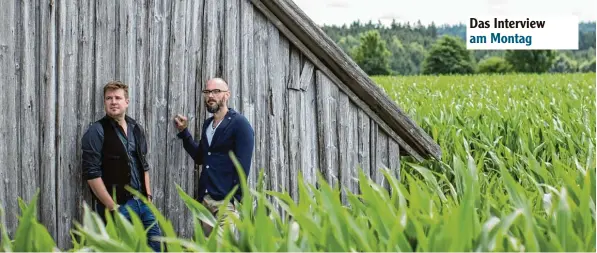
[381, 158]
[127, 51]
[343, 114]
[9, 172]
[394, 158]
[334, 95]
[284, 59]
[231, 51]
[373, 151]
[364, 139]
[248, 85]
[260, 40]
[274, 84]
[158, 118]
[48, 82]
[69, 195]
[85, 86]
[211, 59]
[141, 72]
[176, 157]
[29, 114]
[354, 168]
[308, 127]
[278, 55]
[193, 59]
[275, 103]
[354, 77]
[105, 45]
[199, 109]
[323, 67]
[328, 150]
[294, 130]
[307, 75]
[221, 33]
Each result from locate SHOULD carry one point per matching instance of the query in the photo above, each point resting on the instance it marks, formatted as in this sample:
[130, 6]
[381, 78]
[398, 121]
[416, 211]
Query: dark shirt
[219, 176]
[92, 145]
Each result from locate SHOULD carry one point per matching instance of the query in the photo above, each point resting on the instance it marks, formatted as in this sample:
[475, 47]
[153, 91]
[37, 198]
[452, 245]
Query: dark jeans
[144, 214]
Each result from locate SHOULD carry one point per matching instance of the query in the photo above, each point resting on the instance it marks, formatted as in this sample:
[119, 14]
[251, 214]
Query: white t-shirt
[211, 131]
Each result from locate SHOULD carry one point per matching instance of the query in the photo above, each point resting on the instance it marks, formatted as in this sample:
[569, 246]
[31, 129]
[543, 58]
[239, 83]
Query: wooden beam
[303, 29]
[321, 66]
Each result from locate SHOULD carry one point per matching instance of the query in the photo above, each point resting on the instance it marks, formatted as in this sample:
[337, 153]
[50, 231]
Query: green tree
[448, 56]
[400, 63]
[588, 66]
[530, 61]
[348, 43]
[417, 40]
[417, 54]
[494, 64]
[563, 64]
[372, 54]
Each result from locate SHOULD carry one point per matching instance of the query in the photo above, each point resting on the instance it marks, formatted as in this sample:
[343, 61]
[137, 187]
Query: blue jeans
[144, 213]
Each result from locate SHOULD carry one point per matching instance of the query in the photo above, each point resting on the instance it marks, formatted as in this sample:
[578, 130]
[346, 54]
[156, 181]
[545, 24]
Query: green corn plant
[30, 235]
[532, 138]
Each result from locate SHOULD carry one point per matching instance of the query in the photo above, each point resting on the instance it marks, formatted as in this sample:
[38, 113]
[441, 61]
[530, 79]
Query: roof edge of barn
[339, 63]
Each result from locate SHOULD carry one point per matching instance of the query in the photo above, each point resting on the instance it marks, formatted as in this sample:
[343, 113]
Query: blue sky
[442, 12]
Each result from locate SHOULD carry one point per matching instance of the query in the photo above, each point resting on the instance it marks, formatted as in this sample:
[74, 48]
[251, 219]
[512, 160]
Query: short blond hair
[115, 85]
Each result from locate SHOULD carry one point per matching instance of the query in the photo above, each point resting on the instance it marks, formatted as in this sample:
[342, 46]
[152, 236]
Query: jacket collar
[231, 113]
[127, 118]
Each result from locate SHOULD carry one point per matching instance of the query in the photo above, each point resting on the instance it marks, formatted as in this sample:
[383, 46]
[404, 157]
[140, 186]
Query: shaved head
[217, 83]
[216, 94]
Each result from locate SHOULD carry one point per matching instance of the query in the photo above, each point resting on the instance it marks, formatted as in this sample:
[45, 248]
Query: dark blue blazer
[219, 175]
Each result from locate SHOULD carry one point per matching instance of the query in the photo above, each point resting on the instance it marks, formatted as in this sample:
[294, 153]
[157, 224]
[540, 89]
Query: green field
[528, 141]
[517, 174]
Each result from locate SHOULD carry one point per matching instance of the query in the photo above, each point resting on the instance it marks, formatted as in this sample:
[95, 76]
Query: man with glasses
[227, 130]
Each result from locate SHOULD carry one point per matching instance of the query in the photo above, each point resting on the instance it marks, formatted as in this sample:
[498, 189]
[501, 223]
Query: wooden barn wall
[56, 56]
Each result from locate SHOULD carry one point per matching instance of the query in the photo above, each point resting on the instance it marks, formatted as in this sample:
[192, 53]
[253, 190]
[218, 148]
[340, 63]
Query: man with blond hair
[114, 155]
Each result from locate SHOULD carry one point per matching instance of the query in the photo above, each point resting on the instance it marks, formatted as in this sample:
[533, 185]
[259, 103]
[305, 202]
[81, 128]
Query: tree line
[414, 49]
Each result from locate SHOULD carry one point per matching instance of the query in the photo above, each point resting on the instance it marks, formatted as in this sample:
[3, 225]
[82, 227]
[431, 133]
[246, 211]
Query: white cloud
[338, 4]
[438, 11]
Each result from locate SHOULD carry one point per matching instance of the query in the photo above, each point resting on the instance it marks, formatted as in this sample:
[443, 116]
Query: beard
[216, 107]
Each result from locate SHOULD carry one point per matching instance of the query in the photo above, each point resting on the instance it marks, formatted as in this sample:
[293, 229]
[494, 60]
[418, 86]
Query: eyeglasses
[214, 91]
